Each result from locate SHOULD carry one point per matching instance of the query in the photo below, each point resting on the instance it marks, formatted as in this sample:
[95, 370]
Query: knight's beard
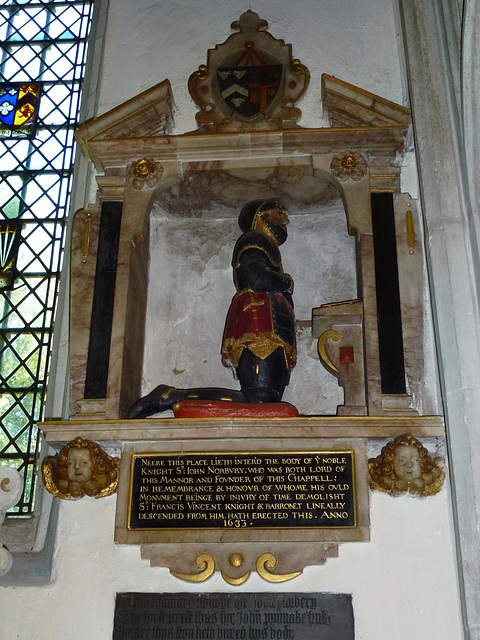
[273, 231]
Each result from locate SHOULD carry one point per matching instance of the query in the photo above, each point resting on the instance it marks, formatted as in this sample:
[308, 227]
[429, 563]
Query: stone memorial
[179, 476]
[273, 476]
[248, 616]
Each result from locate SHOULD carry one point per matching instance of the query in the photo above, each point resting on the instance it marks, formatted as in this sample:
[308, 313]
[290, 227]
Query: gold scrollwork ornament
[235, 560]
[268, 561]
[330, 334]
[205, 562]
[265, 562]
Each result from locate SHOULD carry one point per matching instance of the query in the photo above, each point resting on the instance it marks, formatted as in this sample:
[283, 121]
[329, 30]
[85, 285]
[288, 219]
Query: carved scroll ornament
[265, 562]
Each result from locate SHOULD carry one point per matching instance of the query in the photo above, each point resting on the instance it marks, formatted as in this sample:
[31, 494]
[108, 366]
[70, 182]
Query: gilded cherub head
[404, 465]
[81, 468]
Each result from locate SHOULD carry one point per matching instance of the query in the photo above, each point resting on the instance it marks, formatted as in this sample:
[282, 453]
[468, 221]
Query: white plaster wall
[148, 41]
[402, 581]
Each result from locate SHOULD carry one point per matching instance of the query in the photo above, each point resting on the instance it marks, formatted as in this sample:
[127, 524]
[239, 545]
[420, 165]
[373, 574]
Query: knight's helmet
[253, 217]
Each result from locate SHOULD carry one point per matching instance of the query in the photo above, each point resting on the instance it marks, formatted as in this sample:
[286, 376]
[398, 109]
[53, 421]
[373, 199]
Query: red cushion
[223, 409]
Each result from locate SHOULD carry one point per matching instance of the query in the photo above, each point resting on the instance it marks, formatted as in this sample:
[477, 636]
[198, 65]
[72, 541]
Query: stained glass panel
[19, 104]
[9, 244]
[43, 45]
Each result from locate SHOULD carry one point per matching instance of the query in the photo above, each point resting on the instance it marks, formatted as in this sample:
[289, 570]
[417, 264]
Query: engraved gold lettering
[234, 491]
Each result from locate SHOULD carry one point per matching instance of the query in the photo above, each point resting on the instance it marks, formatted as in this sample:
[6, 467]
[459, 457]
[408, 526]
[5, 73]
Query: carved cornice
[114, 153]
[109, 432]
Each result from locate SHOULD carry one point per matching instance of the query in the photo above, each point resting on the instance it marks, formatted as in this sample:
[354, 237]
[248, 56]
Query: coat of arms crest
[249, 91]
[250, 81]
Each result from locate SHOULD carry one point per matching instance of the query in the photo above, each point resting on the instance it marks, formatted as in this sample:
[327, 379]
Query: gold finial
[236, 560]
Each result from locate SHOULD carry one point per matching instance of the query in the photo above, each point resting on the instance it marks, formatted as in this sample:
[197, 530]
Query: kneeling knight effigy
[259, 336]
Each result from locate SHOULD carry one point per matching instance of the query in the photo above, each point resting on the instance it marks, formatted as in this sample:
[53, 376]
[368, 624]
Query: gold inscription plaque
[274, 490]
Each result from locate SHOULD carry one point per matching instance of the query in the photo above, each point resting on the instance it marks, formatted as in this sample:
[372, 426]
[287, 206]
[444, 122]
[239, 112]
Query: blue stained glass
[19, 104]
[7, 106]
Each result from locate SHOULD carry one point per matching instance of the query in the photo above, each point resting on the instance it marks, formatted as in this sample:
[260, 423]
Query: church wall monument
[351, 489]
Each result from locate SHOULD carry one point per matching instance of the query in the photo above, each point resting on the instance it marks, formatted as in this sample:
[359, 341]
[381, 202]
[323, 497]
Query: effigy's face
[79, 465]
[279, 218]
[406, 463]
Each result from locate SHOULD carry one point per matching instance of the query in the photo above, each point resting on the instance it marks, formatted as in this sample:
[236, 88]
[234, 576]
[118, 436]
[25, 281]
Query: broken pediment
[149, 114]
[351, 106]
[251, 83]
[141, 127]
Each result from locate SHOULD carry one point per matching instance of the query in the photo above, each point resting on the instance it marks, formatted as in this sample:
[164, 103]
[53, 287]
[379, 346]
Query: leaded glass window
[43, 42]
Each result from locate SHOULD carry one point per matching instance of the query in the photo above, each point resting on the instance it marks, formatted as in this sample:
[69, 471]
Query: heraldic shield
[19, 104]
[248, 91]
[251, 82]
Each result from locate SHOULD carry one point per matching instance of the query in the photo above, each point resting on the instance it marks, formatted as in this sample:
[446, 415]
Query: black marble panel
[244, 616]
[103, 300]
[390, 338]
[314, 489]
